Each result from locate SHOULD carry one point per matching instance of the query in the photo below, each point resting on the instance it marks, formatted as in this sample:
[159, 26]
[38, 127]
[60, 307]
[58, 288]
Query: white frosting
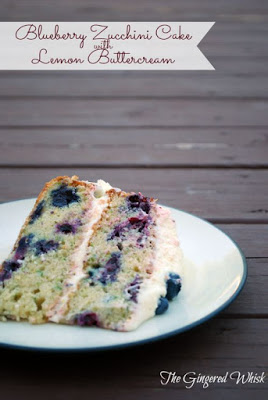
[98, 205]
[167, 258]
[104, 185]
[101, 187]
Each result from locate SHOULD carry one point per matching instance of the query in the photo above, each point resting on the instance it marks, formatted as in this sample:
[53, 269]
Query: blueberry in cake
[90, 254]
[50, 245]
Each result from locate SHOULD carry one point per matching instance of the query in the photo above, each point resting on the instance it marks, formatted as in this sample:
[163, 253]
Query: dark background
[198, 141]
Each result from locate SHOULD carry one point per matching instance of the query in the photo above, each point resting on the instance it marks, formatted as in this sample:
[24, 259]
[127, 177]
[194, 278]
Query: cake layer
[51, 246]
[89, 254]
[130, 257]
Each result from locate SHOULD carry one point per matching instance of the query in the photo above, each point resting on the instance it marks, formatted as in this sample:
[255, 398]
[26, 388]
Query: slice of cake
[51, 245]
[90, 255]
[131, 268]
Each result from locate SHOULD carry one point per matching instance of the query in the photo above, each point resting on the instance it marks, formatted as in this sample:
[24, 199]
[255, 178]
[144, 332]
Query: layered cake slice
[51, 245]
[132, 267]
[90, 255]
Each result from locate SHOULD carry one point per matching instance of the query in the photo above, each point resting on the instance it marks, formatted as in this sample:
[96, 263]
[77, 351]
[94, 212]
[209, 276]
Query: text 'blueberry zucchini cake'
[89, 254]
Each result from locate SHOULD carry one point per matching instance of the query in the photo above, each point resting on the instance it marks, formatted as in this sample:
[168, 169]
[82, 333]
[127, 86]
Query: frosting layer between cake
[90, 254]
[51, 246]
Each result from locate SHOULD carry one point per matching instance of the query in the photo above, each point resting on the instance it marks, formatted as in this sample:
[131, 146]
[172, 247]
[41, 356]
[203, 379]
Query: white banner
[103, 45]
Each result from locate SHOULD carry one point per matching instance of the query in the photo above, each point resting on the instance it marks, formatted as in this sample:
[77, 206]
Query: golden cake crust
[74, 180]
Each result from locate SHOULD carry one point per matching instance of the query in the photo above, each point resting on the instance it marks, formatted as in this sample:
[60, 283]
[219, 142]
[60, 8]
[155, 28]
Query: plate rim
[153, 339]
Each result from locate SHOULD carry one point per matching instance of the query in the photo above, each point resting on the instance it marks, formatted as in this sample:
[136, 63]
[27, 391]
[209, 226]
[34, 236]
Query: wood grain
[252, 238]
[119, 10]
[104, 112]
[114, 84]
[248, 302]
[230, 147]
[214, 194]
[219, 346]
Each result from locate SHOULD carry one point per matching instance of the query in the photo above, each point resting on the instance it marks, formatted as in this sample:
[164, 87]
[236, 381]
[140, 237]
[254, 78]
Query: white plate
[215, 272]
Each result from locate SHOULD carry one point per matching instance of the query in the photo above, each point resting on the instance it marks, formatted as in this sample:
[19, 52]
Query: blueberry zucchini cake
[89, 254]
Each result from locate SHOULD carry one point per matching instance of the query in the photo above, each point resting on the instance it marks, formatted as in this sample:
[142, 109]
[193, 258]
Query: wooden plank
[220, 195]
[107, 112]
[248, 302]
[119, 10]
[252, 239]
[233, 49]
[131, 146]
[90, 85]
[217, 347]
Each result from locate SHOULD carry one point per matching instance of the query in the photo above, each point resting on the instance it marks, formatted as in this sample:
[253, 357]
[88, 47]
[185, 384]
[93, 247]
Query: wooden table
[198, 141]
